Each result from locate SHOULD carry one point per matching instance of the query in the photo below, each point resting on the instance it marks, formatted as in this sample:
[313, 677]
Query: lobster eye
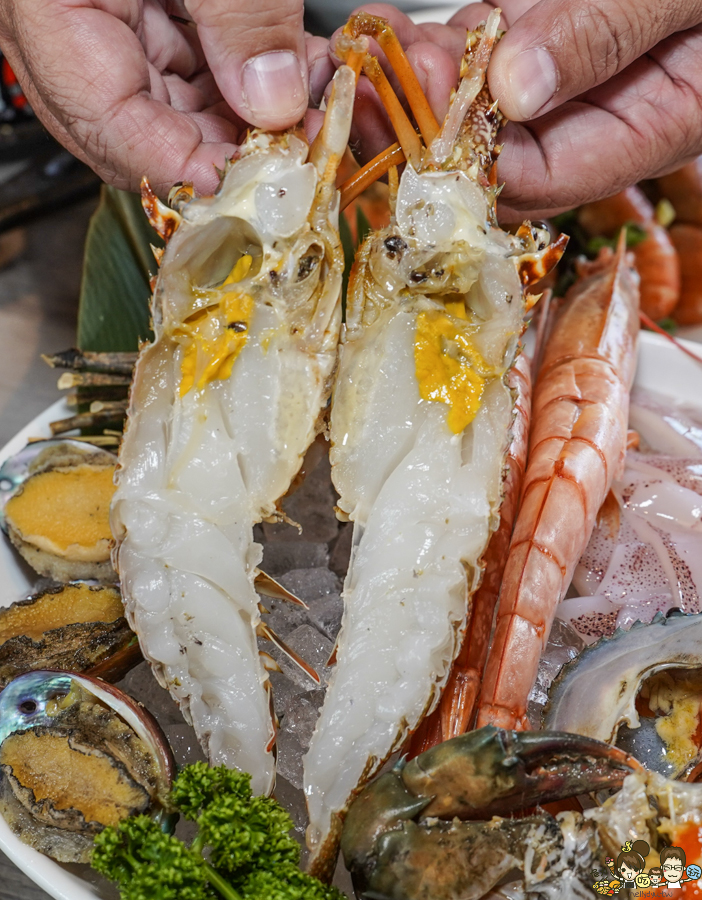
[309, 262]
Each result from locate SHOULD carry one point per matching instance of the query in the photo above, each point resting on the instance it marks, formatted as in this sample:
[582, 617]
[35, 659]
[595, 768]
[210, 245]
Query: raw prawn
[655, 256]
[683, 189]
[456, 711]
[687, 240]
[420, 425]
[577, 448]
[224, 404]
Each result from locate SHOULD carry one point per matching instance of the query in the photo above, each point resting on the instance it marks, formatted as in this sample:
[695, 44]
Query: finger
[256, 50]
[313, 123]
[103, 111]
[167, 46]
[560, 48]
[320, 65]
[437, 73]
[644, 120]
[472, 15]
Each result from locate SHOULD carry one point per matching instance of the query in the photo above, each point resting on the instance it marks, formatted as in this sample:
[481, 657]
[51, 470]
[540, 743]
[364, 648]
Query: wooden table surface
[38, 309]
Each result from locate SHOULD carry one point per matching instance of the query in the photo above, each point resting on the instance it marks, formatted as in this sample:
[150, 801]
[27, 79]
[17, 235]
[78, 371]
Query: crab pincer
[419, 830]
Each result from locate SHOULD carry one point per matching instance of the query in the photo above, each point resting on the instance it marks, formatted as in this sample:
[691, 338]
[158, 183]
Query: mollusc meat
[75, 756]
[420, 425]
[223, 407]
[58, 514]
[76, 627]
[596, 693]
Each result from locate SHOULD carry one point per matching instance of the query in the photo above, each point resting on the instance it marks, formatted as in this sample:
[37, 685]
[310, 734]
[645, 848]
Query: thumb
[559, 49]
[256, 51]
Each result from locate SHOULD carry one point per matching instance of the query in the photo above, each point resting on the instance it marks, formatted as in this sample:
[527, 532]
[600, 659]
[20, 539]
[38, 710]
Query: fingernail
[321, 73]
[533, 79]
[272, 84]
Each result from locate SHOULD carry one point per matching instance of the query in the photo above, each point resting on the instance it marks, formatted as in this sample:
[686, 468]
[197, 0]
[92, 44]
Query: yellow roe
[216, 336]
[448, 367]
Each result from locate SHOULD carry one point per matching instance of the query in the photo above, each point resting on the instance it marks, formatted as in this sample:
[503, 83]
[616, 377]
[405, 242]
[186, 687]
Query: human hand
[133, 92]
[601, 93]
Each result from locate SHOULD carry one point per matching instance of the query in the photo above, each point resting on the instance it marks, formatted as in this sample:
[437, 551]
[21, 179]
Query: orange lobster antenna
[404, 129]
[370, 173]
[380, 29]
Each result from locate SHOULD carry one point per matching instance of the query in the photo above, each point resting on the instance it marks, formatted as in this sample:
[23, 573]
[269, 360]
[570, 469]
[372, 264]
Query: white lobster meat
[224, 404]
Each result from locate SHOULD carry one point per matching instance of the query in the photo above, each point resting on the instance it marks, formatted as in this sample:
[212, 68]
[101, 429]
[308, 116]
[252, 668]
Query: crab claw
[492, 772]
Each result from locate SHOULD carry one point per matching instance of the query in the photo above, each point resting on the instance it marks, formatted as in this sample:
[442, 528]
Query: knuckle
[607, 38]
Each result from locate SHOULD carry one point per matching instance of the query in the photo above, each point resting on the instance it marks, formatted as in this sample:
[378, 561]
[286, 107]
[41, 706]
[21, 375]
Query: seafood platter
[387, 581]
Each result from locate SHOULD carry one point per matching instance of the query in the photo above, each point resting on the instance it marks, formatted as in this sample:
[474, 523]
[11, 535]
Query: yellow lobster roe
[448, 367]
[216, 335]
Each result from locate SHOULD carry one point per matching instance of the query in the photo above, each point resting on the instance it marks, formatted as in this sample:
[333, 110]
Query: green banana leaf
[113, 314]
[114, 299]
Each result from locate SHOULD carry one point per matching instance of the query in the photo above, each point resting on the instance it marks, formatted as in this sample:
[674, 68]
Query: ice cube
[300, 719]
[326, 613]
[186, 747]
[340, 550]
[284, 617]
[141, 684]
[313, 647]
[293, 800]
[564, 644]
[285, 691]
[311, 506]
[311, 584]
[282, 556]
[319, 588]
[289, 763]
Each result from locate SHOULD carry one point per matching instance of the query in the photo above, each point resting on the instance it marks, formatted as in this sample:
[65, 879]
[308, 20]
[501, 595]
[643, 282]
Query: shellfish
[77, 755]
[224, 404]
[416, 832]
[420, 426]
[77, 627]
[56, 508]
[596, 694]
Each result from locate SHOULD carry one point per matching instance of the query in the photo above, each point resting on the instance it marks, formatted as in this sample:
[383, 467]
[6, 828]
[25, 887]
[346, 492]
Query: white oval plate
[662, 368]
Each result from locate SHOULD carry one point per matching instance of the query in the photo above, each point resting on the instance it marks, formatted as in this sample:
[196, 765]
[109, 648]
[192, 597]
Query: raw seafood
[406, 836]
[76, 627]
[77, 755]
[456, 711]
[420, 425]
[56, 509]
[597, 692]
[224, 404]
[577, 448]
